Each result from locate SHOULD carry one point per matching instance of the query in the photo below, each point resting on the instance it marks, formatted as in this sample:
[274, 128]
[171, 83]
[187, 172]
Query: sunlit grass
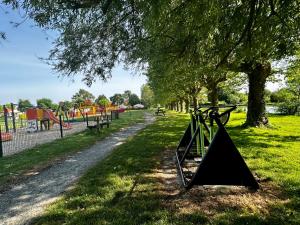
[122, 190]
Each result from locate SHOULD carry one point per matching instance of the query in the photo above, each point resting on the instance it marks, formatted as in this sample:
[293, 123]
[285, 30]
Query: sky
[24, 76]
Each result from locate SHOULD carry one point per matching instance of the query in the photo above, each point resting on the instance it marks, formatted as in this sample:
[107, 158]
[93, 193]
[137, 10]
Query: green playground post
[201, 133]
[198, 144]
[192, 124]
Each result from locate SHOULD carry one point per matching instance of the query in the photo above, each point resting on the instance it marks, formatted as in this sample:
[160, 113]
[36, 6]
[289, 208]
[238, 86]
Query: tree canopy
[45, 103]
[24, 104]
[81, 96]
[183, 45]
[102, 100]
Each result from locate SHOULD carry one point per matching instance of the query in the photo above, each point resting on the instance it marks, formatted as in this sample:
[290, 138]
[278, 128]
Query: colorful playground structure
[45, 117]
[88, 108]
[39, 119]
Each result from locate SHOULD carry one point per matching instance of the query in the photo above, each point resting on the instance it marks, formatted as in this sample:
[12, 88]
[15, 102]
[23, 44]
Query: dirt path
[28, 200]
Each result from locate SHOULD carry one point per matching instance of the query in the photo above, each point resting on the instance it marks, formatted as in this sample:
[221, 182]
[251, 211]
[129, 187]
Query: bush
[289, 107]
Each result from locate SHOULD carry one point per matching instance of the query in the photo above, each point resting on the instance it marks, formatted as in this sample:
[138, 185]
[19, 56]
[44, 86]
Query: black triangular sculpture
[223, 165]
[186, 138]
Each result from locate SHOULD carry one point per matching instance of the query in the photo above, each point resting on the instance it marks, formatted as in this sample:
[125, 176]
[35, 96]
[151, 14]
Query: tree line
[127, 98]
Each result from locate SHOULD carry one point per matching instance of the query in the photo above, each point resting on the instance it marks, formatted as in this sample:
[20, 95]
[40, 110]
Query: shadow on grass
[123, 189]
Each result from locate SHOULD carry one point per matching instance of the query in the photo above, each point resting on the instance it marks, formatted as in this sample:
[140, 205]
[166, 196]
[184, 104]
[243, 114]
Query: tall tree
[293, 78]
[147, 96]
[250, 35]
[81, 96]
[24, 104]
[102, 100]
[117, 99]
[242, 36]
[45, 103]
[134, 99]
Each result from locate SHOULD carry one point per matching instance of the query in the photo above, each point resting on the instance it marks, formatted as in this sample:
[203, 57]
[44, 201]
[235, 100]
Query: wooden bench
[100, 122]
[160, 112]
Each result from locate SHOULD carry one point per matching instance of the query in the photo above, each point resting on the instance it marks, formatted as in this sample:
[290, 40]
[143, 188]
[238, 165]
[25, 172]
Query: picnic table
[160, 111]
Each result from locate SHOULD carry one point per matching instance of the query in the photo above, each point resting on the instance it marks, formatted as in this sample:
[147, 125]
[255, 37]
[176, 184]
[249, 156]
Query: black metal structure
[220, 163]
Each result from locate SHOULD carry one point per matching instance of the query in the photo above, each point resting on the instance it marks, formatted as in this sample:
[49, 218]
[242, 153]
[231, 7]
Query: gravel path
[28, 200]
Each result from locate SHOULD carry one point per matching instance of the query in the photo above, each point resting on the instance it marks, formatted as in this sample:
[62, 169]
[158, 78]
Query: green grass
[122, 189]
[15, 166]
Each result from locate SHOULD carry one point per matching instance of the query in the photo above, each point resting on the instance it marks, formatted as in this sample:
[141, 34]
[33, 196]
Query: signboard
[32, 126]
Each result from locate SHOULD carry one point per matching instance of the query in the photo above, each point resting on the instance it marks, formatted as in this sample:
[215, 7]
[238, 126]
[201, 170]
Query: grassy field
[126, 187]
[26, 163]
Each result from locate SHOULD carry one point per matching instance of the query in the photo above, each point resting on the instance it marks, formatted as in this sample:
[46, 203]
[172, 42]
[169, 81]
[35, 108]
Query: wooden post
[61, 128]
[98, 124]
[1, 147]
[13, 117]
[107, 121]
[87, 119]
[5, 119]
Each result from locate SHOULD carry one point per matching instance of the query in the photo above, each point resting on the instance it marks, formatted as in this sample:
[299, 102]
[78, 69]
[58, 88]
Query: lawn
[126, 188]
[26, 163]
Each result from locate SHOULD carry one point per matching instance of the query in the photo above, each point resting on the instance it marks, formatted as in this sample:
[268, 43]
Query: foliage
[281, 95]
[102, 100]
[81, 96]
[268, 94]
[293, 77]
[24, 104]
[46, 103]
[66, 105]
[126, 94]
[147, 96]
[232, 97]
[134, 99]
[117, 99]
[187, 40]
[288, 107]
[289, 97]
[231, 94]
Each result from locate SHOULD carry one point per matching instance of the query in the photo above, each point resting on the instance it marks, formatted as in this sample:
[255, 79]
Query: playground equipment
[8, 113]
[88, 108]
[206, 155]
[45, 116]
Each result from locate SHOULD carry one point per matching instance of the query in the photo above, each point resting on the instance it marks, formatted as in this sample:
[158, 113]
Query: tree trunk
[213, 94]
[177, 106]
[195, 103]
[187, 105]
[181, 105]
[256, 113]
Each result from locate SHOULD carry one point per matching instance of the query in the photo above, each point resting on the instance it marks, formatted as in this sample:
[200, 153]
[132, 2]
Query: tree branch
[245, 31]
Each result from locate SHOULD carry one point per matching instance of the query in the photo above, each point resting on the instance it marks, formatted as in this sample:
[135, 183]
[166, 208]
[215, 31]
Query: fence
[18, 134]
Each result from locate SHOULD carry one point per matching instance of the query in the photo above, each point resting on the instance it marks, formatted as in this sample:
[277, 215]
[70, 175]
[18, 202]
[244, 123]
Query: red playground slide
[51, 116]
